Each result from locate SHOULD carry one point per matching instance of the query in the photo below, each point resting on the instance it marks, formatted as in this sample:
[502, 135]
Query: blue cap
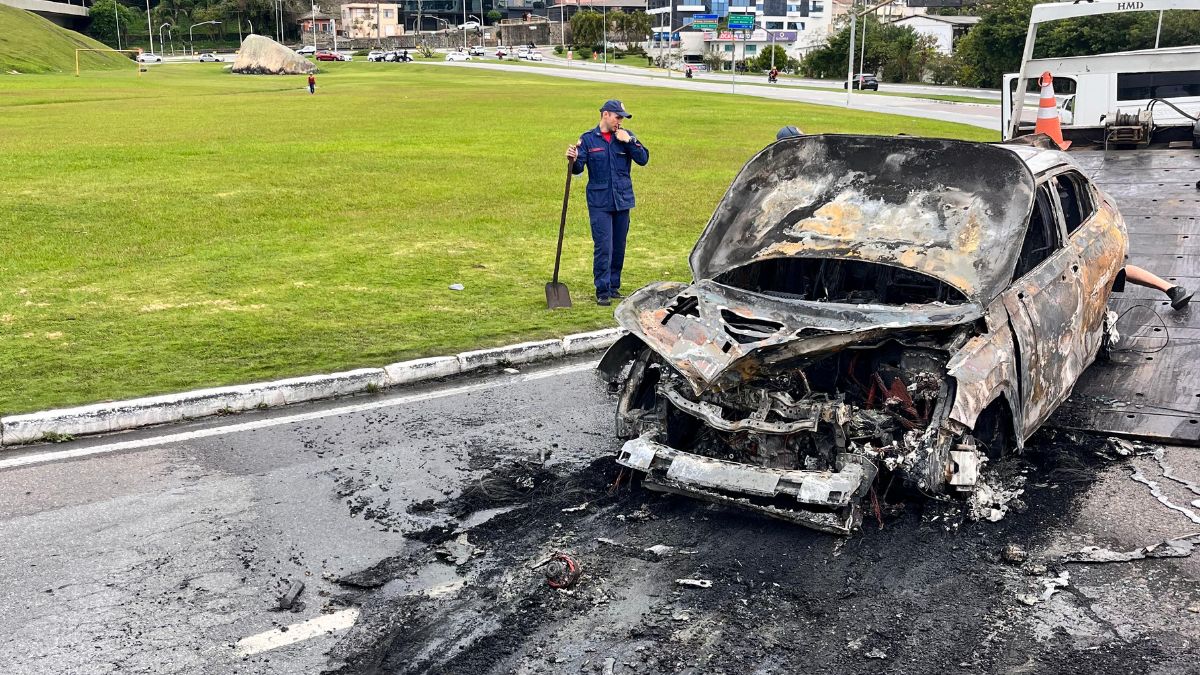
[788, 132]
[614, 106]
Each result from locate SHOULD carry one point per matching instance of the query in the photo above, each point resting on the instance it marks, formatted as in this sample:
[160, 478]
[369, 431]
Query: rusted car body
[865, 306]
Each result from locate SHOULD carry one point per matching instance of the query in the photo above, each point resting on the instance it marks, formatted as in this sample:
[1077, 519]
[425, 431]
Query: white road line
[290, 419]
[286, 635]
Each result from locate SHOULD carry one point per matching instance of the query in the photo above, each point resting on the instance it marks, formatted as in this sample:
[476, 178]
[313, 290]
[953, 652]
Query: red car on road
[328, 56]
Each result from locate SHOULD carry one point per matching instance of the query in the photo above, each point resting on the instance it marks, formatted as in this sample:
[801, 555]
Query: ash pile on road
[672, 585]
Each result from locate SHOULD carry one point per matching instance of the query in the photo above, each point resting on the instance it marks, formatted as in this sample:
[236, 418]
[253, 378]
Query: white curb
[512, 355]
[123, 415]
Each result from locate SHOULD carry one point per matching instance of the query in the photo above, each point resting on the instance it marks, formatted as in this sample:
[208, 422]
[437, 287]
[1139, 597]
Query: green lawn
[191, 228]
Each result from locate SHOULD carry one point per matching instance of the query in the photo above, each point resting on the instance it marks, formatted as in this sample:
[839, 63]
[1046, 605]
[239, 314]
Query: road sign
[705, 21]
[741, 22]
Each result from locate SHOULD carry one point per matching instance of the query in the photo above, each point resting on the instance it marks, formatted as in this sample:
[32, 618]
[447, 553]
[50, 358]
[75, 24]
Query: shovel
[557, 294]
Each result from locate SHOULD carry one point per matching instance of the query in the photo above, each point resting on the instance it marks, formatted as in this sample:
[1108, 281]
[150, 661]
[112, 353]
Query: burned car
[866, 306]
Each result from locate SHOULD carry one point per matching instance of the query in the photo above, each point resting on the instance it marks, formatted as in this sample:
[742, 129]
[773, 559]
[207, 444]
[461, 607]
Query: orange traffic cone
[1047, 118]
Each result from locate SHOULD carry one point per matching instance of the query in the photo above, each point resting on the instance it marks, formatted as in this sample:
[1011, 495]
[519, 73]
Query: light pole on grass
[118, 20]
[191, 44]
[150, 27]
[480, 29]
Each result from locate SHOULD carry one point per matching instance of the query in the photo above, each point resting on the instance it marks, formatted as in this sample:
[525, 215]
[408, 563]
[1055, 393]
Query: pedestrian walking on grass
[608, 152]
[312, 84]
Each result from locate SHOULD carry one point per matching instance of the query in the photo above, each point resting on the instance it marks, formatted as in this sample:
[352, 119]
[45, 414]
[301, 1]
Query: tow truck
[1132, 119]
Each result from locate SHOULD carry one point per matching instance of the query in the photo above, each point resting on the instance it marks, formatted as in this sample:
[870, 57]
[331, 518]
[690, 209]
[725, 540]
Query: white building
[947, 30]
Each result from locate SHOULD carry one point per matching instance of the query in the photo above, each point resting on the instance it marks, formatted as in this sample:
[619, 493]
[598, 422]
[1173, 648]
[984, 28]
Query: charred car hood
[718, 337]
[953, 210]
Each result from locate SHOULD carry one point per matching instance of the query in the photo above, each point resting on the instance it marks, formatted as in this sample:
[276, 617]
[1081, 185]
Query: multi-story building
[795, 25]
[370, 20]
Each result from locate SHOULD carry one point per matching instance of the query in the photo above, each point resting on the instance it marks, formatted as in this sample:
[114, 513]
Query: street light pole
[118, 20]
[191, 44]
[850, 69]
[160, 39]
[862, 57]
[313, 22]
[604, 19]
[149, 27]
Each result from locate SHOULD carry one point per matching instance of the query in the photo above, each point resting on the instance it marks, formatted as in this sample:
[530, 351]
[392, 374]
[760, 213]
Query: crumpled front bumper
[824, 500]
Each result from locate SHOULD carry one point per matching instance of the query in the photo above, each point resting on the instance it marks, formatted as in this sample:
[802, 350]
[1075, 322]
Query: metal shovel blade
[557, 295]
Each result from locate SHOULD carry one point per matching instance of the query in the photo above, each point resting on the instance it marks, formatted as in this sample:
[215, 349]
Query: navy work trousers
[609, 229]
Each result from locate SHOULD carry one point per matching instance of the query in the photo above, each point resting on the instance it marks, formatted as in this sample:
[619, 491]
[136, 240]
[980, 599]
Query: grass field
[192, 228]
[31, 44]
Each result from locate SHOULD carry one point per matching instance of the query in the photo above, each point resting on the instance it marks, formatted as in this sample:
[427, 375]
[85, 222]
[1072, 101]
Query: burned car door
[1044, 308]
[1096, 232]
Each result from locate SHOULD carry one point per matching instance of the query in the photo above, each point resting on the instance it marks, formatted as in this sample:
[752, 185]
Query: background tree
[494, 16]
[897, 53]
[994, 45]
[587, 28]
[763, 60]
[107, 15]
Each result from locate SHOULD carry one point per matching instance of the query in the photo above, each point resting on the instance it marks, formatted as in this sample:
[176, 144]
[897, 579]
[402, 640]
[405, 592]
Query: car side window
[1041, 237]
[1075, 199]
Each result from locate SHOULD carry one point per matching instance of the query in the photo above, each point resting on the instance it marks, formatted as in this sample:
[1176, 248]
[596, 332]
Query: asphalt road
[975, 114]
[166, 551]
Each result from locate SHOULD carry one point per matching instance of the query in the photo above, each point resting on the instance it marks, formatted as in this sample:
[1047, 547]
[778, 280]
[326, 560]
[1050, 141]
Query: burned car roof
[953, 210]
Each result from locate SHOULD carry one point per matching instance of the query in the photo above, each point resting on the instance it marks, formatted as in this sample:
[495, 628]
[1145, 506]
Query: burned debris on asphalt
[862, 308]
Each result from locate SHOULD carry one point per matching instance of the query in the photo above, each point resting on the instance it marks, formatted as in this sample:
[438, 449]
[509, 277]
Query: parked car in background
[147, 57]
[209, 57]
[327, 56]
[502, 52]
[470, 25]
[458, 56]
[476, 50]
[306, 50]
[864, 81]
[376, 56]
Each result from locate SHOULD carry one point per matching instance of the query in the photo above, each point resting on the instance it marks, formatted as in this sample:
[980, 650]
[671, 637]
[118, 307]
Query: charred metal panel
[687, 326]
[950, 209]
[985, 369]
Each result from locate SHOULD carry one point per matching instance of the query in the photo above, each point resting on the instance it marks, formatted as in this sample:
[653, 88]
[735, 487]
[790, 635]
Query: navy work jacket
[609, 186]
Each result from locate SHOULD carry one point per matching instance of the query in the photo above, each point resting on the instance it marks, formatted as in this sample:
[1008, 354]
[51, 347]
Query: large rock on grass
[261, 55]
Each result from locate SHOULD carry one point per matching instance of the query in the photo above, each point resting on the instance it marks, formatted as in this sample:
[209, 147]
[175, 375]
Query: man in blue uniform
[608, 152]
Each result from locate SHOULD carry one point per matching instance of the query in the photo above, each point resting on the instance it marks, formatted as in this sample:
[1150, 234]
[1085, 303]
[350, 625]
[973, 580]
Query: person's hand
[572, 152]
[623, 136]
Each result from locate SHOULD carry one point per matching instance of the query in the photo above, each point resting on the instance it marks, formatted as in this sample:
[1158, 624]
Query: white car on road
[147, 57]
[522, 53]
[458, 56]
[534, 55]
[470, 25]
[476, 50]
[209, 57]
[306, 50]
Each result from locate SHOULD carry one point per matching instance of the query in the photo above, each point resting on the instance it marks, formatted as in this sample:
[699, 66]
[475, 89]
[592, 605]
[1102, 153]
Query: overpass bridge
[66, 14]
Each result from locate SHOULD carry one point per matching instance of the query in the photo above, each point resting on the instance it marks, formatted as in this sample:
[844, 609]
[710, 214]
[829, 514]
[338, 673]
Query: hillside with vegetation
[32, 44]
